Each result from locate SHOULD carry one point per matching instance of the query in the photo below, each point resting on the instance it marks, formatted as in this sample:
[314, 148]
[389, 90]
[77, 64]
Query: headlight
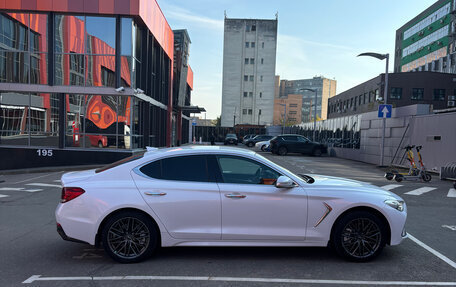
[396, 204]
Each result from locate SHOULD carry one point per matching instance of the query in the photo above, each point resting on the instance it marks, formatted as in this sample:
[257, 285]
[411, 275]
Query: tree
[217, 122]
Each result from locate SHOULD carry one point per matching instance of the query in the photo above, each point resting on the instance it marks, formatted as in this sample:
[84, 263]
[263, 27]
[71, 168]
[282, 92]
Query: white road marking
[32, 190]
[11, 188]
[451, 192]
[3, 195]
[421, 190]
[391, 186]
[435, 252]
[452, 227]
[58, 180]
[37, 177]
[45, 184]
[238, 279]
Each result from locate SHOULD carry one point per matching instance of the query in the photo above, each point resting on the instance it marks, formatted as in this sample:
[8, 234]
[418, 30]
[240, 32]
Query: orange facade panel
[190, 77]
[147, 10]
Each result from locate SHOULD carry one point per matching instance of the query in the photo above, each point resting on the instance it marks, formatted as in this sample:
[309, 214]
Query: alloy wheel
[128, 237]
[361, 238]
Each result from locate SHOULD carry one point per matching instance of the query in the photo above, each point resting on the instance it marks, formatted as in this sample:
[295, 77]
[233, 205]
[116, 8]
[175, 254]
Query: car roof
[198, 149]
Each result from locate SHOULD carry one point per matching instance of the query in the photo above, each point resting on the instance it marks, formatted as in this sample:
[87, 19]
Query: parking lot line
[433, 251]
[239, 279]
[451, 192]
[420, 191]
[44, 184]
[29, 179]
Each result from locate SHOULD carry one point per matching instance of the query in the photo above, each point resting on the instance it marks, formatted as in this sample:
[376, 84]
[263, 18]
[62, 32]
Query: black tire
[100, 144]
[399, 178]
[389, 176]
[119, 241]
[282, 150]
[263, 147]
[317, 152]
[359, 229]
[426, 177]
[250, 144]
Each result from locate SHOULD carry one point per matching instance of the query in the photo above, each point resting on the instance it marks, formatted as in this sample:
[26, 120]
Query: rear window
[122, 161]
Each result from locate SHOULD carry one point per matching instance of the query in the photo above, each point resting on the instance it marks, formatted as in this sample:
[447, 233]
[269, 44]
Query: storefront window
[14, 119]
[44, 127]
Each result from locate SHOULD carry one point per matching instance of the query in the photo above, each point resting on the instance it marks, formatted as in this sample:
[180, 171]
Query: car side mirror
[284, 182]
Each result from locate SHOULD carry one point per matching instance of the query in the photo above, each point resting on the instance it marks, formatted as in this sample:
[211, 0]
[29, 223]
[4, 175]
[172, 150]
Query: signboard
[385, 111]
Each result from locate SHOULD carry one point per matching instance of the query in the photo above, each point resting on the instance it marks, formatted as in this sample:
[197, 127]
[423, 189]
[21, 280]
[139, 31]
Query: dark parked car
[259, 138]
[247, 137]
[284, 144]
[231, 139]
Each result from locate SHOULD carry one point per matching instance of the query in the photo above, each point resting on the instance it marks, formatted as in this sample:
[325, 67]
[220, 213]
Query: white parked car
[262, 146]
[219, 196]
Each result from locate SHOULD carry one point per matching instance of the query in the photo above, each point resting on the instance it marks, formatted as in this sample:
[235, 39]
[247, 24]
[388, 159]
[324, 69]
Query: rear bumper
[62, 234]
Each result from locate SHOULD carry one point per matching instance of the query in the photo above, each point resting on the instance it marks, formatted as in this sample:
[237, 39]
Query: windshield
[230, 135]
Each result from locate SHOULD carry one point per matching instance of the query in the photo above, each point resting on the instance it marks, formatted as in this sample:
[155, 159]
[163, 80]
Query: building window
[247, 28]
[261, 78]
[252, 44]
[252, 61]
[351, 102]
[377, 97]
[292, 112]
[417, 94]
[246, 61]
[261, 94]
[245, 94]
[439, 94]
[253, 28]
[262, 60]
[246, 78]
[293, 105]
[359, 101]
[262, 45]
[365, 98]
[251, 78]
[396, 93]
[250, 94]
[246, 44]
[250, 111]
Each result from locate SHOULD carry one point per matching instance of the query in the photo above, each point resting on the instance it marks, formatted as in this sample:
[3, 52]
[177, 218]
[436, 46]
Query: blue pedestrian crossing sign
[384, 111]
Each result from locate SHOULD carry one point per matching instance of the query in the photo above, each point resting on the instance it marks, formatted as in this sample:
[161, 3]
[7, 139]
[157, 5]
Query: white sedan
[262, 146]
[219, 196]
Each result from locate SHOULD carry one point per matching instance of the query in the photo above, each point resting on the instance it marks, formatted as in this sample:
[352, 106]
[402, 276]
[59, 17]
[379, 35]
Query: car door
[253, 208]
[305, 145]
[292, 143]
[183, 194]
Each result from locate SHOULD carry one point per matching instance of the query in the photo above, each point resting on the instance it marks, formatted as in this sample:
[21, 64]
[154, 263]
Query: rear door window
[180, 168]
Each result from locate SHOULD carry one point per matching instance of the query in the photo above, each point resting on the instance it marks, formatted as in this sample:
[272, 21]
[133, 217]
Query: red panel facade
[190, 77]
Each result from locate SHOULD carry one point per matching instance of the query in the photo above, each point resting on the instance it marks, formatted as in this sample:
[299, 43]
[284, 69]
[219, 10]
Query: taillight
[70, 193]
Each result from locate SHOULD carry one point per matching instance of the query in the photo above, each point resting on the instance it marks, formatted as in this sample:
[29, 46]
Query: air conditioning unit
[451, 103]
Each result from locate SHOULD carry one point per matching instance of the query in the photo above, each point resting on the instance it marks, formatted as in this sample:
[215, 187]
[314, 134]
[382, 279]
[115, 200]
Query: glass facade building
[86, 77]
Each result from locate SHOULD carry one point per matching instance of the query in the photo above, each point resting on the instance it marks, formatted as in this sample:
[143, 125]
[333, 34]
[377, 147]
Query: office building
[288, 109]
[90, 82]
[249, 59]
[427, 42]
[326, 88]
[436, 89]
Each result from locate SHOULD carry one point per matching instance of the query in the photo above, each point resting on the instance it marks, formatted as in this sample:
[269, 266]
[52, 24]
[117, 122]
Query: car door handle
[235, 195]
[156, 193]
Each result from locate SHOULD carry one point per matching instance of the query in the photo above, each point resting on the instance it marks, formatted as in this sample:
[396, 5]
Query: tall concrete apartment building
[326, 88]
[249, 60]
[427, 42]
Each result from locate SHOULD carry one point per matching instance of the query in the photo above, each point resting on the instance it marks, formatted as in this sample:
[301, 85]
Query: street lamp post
[385, 97]
[315, 110]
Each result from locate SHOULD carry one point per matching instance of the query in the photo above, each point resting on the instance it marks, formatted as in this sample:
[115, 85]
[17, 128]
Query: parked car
[247, 137]
[251, 142]
[98, 140]
[284, 144]
[219, 196]
[231, 139]
[262, 146]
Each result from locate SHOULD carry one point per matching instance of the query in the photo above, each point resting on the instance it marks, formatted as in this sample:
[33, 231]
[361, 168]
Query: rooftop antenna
[224, 13]
[277, 15]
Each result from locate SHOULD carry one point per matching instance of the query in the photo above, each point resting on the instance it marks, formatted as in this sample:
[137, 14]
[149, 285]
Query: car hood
[76, 176]
[344, 184]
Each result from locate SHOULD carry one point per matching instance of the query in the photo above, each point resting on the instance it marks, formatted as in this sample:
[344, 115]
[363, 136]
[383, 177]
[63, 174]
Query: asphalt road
[33, 254]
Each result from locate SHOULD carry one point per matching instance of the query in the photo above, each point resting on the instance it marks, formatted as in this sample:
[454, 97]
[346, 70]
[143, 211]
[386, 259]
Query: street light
[284, 117]
[385, 96]
[315, 110]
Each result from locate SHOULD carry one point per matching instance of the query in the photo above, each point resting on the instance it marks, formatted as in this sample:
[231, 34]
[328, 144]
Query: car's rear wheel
[100, 144]
[129, 237]
[263, 147]
[316, 152]
[250, 144]
[282, 150]
[359, 236]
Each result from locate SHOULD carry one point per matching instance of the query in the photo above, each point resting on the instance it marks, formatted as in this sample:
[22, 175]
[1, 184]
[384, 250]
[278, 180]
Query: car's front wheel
[359, 236]
[129, 237]
[282, 150]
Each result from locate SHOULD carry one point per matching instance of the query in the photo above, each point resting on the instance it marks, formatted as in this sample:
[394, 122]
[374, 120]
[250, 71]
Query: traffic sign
[385, 111]
[193, 123]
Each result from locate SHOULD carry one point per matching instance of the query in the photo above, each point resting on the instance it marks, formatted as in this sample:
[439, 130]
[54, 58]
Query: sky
[315, 38]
